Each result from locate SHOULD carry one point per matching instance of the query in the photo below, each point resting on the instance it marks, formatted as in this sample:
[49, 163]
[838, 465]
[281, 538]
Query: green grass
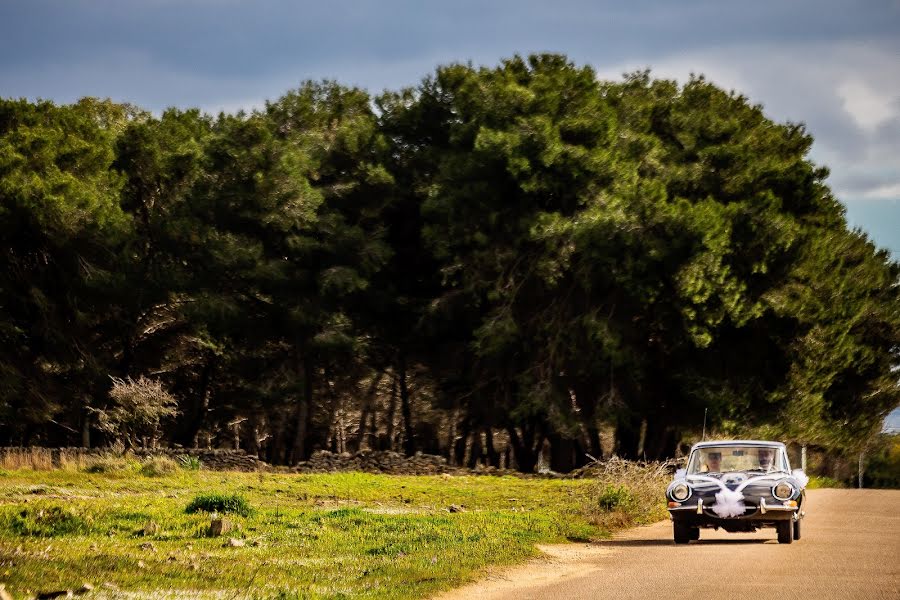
[307, 536]
[220, 503]
[821, 481]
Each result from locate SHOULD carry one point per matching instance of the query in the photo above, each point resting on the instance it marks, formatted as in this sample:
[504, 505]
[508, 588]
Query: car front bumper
[764, 511]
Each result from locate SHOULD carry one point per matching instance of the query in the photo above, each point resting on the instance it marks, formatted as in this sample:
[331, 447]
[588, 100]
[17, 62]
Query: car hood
[735, 479]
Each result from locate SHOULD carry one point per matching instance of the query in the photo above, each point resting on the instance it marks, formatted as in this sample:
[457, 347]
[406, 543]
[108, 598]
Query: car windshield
[723, 459]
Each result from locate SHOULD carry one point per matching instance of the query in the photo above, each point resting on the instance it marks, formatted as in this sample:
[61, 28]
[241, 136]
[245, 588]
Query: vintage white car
[739, 486]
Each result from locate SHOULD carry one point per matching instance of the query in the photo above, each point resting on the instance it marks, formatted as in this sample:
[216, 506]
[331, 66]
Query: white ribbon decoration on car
[729, 503]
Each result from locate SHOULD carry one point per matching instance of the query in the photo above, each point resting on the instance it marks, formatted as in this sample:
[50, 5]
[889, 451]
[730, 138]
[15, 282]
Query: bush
[49, 521]
[139, 408]
[110, 464]
[616, 497]
[189, 463]
[882, 468]
[157, 466]
[220, 503]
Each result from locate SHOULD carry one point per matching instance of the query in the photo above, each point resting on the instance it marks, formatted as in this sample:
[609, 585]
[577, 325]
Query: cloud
[867, 106]
[831, 64]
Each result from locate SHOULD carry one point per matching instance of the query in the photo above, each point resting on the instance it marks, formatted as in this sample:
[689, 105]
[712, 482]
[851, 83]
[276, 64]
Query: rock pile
[370, 461]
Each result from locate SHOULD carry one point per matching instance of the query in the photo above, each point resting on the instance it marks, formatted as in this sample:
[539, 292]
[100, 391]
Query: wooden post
[803, 457]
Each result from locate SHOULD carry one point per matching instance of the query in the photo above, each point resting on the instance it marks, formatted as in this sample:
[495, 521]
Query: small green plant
[220, 503]
[616, 497]
[188, 462]
[49, 521]
[158, 466]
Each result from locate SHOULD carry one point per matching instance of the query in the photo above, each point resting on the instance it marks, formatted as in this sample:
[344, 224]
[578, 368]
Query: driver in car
[714, 462]
[765, 459]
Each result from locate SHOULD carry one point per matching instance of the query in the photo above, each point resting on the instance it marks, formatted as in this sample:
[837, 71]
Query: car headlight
[783, 490]
[680, 492]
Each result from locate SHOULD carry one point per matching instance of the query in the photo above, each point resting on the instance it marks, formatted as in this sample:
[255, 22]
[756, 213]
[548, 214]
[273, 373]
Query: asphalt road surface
[850, 549]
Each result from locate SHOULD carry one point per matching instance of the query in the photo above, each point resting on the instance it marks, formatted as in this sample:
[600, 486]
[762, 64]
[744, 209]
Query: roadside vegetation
[822, 481]
[292, 536]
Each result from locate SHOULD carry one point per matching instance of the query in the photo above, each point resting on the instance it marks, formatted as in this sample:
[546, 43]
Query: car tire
[682, 533]
[797, 529]
[785, 532]
[695, 534]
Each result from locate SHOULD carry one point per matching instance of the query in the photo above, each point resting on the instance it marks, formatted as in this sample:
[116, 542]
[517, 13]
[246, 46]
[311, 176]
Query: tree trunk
[475, 452]
[660, 439]
[86, 430]
[368, 407]
[562, 453]
[588, 400]
[459, 444]
[335, 433]
[194, 415]
[299, 447]
[391, 414]
[492, 457]
[523, 450]
[628, 436]
[409, 442]
[595, 448]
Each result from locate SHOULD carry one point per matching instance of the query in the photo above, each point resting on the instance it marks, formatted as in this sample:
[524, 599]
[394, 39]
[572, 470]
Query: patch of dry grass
[36, 459]
[628, 493]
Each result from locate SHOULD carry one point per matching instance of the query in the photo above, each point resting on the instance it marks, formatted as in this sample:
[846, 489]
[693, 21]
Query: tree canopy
[497, 262]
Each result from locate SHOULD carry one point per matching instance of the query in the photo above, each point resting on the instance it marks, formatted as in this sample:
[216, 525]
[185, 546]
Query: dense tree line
[498, 261]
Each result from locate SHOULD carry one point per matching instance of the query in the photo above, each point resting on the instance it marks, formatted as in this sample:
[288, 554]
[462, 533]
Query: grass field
[308, 536]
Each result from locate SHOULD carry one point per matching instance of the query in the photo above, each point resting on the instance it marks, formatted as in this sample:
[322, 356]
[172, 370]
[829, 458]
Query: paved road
[850, 549]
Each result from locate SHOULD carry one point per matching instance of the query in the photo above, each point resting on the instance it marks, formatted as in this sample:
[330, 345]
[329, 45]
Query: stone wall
[393, 463]
[374, 462]
[237, 460]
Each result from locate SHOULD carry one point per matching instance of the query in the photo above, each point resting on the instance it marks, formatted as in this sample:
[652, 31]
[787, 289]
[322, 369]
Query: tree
[140, 406]
[61, 221]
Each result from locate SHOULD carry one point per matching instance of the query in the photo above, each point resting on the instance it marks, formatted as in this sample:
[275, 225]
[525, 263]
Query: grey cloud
[224, 54]
[260, 38]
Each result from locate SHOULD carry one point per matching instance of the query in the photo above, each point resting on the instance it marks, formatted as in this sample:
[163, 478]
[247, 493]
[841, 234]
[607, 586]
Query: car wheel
[785, 532]
[797, 529]
[695, 533]
[682, 533]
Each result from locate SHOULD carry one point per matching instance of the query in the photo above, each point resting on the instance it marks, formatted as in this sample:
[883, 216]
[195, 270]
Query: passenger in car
[714, 462]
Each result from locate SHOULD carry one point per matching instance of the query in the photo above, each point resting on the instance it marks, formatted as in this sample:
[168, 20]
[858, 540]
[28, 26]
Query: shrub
[616, 497]
[110, 464]
[49, 521]
[220, 503]
[157, 466]
[140, 406]
[189, 463]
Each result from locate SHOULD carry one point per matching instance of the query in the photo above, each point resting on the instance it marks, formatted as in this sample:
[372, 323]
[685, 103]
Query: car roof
[737, 443]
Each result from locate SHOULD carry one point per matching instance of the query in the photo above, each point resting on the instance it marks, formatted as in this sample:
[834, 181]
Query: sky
[833, 65]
